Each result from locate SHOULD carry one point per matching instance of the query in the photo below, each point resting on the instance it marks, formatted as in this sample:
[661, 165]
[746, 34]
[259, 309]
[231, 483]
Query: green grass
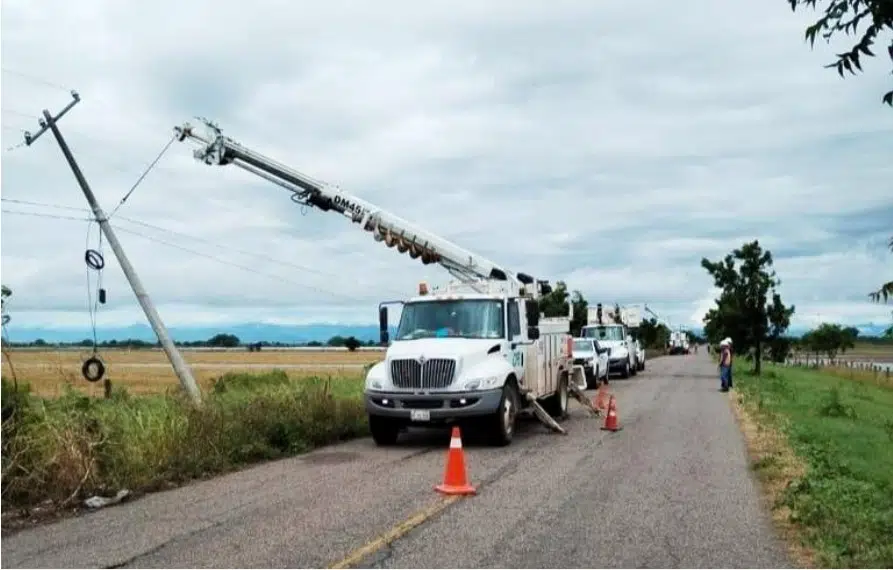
[75, 446]
[843, 432]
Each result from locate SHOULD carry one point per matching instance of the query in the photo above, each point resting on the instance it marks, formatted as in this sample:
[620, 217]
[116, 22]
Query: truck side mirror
[383, 325]
[532, 308]
[533, 333]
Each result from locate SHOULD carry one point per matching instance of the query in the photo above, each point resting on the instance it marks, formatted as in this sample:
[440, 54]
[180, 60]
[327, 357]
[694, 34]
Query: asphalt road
[671, 489]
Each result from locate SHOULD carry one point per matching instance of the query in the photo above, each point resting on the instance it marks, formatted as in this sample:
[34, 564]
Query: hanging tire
[502, 423]
[385, 431]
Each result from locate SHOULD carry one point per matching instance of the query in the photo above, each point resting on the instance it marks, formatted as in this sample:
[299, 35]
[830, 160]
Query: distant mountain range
[259, 332]
[248, 332]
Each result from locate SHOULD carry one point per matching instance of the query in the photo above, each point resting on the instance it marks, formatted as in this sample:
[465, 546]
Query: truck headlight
[484, 383]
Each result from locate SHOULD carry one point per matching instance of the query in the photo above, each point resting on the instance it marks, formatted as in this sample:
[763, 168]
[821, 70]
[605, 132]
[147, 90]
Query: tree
[886, 290]
[581, 311]
[829, 339]
[846, 16]
[352, 343]
[653, 334]
[336, 340]
[224, 340]
[743, 310]
[557, 303]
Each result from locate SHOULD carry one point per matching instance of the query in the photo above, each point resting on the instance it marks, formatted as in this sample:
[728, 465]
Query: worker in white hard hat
[725, 364]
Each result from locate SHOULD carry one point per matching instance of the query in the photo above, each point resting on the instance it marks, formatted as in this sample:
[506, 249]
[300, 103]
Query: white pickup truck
[621, 347]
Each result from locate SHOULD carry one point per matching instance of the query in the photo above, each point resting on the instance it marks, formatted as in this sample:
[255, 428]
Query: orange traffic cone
[611, 422]
[455, 477]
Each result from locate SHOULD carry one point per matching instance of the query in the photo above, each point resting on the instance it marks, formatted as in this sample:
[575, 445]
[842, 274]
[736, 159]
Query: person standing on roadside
[731, 362]
[725, 365]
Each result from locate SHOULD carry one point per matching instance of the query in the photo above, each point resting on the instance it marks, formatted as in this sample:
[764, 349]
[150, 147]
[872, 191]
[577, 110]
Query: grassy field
[147, 371]
[823, 447]
[877, 351]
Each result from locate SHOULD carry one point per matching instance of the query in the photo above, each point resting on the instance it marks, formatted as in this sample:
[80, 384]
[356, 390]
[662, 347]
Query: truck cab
[621, 349]
[462, 356]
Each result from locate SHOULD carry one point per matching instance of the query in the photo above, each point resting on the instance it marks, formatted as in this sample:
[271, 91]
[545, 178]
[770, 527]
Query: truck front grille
[434, 373]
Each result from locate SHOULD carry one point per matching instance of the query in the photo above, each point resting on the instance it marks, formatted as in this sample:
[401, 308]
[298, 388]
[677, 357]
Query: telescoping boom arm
[394, 231]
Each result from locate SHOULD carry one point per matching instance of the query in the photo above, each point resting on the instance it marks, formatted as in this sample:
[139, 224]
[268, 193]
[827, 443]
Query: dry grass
[862, 351]
[146, 371]
[876, 377]
[777, 467]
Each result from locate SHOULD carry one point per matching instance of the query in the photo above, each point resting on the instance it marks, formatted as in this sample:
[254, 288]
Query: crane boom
[385, 227]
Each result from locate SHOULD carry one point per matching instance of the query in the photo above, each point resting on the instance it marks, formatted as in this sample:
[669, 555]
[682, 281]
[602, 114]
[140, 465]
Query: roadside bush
[74, 446]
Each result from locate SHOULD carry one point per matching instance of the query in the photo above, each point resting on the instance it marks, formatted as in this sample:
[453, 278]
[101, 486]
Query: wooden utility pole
[181, 368]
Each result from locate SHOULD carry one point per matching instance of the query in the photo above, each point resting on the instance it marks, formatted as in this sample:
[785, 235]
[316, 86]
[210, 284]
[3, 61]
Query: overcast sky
[610, 144]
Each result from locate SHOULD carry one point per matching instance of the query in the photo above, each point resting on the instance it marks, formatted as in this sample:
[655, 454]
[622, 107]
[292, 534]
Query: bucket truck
[631, 317]
[613, 334]
[476, 350]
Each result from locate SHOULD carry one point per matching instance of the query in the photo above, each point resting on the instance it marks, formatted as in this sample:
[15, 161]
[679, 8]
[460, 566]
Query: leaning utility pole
[181, 368]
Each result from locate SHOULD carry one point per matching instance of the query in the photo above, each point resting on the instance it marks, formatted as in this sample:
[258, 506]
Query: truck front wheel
[502, 428]
[385, 431]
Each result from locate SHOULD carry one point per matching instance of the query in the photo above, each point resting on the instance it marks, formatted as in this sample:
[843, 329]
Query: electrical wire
[93, 300]
[44, 204]
[44, 215]
[237, 265]
[34, 79]
[223, 247]
[143, 175]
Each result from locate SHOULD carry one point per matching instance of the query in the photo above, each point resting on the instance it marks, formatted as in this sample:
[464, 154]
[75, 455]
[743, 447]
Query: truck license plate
[420, 415]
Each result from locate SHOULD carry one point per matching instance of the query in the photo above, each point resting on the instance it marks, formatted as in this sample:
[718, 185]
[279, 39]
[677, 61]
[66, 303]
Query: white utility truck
[475, 351]
[679, 343]
[615, 337]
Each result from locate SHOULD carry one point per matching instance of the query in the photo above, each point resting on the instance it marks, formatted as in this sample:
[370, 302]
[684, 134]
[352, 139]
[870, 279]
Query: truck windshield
[604, 333]
[582, 346]
[465, 318]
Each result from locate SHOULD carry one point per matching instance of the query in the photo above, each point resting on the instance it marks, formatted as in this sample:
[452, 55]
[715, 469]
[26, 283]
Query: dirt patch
[777, 467]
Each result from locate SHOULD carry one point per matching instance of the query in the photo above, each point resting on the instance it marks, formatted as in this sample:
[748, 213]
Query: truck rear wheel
[385, 431]
[502, 423]
[556, 404]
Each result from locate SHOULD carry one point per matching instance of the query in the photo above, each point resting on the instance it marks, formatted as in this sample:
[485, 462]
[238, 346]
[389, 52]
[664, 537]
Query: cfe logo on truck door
[518, 358]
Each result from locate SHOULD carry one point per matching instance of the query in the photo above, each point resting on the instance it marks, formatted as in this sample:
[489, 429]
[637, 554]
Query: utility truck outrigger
[475, 351]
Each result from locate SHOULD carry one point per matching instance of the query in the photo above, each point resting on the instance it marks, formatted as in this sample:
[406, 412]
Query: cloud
[578, 141]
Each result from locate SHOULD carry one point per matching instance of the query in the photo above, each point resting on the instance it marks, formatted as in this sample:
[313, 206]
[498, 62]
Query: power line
[44, 204]
[187, 250]
[44, 215]
[237, 265]
[223, 247]
[34, 79]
